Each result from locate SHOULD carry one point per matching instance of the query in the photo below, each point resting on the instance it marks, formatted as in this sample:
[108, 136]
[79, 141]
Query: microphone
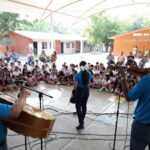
[21, 84]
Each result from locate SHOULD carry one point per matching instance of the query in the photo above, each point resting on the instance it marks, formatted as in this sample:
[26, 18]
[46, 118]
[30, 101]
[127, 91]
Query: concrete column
[52, 32]
[81, 46]
[39, 48]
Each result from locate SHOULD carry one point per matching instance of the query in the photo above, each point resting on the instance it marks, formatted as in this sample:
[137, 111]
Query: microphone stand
[40, 99]
[117, 116]
[116, 125]
[32, 89]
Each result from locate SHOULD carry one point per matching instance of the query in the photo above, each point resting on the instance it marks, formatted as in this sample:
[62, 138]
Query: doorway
[35, 48]
[62, 47]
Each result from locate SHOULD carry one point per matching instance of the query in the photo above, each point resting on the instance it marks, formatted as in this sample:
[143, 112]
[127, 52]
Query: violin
[134, 70]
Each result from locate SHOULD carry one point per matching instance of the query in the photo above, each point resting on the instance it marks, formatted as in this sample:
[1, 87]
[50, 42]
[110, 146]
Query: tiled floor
[99, 123]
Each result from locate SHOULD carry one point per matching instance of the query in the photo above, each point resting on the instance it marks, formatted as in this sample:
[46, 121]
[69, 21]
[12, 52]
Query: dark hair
[84, 74]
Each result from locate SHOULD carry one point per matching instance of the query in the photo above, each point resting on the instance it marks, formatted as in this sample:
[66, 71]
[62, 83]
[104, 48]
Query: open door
[62, 47]
[35, 47]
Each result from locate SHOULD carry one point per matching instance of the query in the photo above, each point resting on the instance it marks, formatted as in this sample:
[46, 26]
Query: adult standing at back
[130, 60]
[82, 80]
[14, 56]
[121, 59]
[110, 59]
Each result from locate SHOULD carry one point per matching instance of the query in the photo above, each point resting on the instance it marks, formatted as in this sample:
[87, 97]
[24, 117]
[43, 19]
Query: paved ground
[99, 124]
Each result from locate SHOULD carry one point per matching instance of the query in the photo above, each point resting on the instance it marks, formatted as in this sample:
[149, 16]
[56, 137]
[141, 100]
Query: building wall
[86, 47]
[19, 43]
[126, 43]
[69, 47]
[58, 46]
[2, 48]
[77, 46]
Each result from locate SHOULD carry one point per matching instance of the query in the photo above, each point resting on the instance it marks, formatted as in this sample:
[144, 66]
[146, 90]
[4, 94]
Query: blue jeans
[140, 136]
[42, 59]
[81, 102]
[4, 146]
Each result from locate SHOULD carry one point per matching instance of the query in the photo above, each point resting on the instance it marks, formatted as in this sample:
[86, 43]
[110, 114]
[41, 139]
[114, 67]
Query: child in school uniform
[96, 82]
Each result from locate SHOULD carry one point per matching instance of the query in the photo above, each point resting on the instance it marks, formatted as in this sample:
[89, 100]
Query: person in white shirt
[110, 59]
[16, 71]
[121, 58]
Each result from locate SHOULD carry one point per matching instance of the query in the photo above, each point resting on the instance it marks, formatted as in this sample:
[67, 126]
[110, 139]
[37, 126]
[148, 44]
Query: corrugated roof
[48, 36]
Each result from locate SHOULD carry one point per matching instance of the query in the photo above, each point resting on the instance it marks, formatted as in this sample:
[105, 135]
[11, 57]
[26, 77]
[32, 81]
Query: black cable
[69, 113]
[91, 122]
[84, 134]
[50, 139]
[29, 144]
[16, 146]
[126, 126]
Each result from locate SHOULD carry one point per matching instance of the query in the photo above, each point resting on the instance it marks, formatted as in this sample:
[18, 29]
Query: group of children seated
[103, 79]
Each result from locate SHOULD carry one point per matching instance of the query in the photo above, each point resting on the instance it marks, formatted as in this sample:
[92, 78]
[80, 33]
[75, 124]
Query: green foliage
[135, 22]
[101, 28]
[5, 40]
[41, 26]
[35, 25]
[60, 28]
[8, 22]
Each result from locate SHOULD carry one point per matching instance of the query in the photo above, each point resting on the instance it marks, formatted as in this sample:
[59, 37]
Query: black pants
[81, 108]
[140, 136]
[3, 146]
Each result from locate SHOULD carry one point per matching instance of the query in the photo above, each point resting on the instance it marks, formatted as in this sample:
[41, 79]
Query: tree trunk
[106, 47]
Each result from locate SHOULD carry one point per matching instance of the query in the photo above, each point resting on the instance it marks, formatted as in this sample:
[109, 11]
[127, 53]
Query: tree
[101, 28]
[136, 22]
[5, 41]
[8, 22]
[42, 26]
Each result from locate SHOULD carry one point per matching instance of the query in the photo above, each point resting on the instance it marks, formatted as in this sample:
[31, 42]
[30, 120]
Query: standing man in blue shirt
[140, 131]
[9, 112]
[81, 83]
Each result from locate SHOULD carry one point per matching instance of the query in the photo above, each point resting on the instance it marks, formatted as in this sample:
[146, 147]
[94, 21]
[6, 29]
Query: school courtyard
[100, 120]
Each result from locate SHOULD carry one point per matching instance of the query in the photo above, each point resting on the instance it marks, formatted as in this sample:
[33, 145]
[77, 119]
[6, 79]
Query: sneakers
[101, 89]
[79, 127]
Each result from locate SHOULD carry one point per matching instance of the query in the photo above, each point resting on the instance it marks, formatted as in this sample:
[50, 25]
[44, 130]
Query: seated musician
[9, 112]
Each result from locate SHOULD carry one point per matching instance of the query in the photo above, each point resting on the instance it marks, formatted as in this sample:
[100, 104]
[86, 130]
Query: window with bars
[44, 45]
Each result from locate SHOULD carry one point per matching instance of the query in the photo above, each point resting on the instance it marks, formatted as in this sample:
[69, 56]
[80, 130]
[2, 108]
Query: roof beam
[126, 5]
[26, 4]
[50, 2]
[56, 11]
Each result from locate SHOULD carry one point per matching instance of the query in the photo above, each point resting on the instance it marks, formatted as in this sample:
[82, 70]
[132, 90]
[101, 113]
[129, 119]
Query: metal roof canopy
[78, 9]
